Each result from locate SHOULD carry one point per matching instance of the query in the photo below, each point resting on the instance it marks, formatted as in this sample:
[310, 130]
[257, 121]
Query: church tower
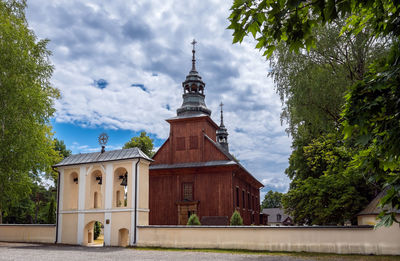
[193, 92]
[193, 171]
[222, 132]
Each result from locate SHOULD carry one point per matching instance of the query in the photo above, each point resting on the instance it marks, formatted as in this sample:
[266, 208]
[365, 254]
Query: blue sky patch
[140, 85]
[101, 83]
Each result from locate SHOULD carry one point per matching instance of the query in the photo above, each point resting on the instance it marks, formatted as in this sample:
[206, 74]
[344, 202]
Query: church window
[237, 197]
[187, 191]
[180, 143]
[243, 199]
[248, 200]
[193, 142]
[278, 217]
[256, 204]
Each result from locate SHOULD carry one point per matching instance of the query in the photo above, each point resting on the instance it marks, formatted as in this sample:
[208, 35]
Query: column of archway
[108, 203]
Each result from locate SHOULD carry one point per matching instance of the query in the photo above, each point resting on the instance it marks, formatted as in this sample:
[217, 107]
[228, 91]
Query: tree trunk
[1, 216]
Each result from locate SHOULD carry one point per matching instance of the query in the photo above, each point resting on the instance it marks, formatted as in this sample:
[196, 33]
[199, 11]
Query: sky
[119, 66]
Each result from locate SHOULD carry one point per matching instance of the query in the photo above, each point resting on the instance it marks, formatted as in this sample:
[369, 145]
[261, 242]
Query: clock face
[103, 138]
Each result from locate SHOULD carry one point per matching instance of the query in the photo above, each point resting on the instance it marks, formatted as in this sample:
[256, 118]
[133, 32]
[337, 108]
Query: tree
[51, 215]
[96, 229]
[236, 219]
[312, 86]
[26, 104]
[193, 220]
[371, 114]
[326, 190]
[143, 142]
[272, 200]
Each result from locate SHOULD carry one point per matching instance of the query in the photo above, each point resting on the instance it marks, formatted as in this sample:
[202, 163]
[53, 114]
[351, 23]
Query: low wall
[341, 240]
[28, 233]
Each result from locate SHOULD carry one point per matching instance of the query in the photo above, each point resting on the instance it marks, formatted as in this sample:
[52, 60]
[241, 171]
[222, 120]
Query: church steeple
[222, 132]
[193, 92]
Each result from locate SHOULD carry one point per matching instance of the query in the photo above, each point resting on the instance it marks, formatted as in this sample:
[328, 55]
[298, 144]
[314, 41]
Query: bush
[193, 220]
[236, 219]
[97, 229]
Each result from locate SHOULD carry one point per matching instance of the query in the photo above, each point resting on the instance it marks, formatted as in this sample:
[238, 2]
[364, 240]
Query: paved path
[32, 252]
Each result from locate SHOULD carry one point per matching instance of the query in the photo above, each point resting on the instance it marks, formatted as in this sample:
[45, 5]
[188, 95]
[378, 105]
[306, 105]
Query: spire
[222, 115]
[193, 57]
[193, 92]
[222, 132]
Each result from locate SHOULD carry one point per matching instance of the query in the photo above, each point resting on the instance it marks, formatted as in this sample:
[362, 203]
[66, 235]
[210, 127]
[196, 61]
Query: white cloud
[129, 42]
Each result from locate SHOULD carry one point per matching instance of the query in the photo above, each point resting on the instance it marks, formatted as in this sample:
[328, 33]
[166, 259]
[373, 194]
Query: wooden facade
[192, 173]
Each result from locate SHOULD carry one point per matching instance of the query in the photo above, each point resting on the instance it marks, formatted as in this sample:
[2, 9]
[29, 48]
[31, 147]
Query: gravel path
[32, 252]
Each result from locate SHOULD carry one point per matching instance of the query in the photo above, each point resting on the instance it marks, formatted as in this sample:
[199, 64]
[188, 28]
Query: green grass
[314, 256]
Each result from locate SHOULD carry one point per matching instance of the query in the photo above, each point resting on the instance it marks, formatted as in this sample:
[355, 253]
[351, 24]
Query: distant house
[277, 217]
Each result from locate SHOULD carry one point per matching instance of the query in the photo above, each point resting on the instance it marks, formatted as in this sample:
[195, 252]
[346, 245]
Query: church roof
[94, 157]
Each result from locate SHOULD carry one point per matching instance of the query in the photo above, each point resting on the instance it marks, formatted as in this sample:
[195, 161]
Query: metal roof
[273, 214]
[193, 164]
[112, 155]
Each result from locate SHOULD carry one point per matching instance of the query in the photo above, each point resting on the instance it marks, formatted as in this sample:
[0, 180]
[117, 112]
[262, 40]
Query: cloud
[112, 44]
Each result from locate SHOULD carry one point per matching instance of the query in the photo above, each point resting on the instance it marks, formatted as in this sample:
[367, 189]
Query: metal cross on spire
[193, 58]
[222, 115]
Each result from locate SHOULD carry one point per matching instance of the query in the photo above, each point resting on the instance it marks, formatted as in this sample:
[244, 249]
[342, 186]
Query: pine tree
[193, 220]
[236, 219]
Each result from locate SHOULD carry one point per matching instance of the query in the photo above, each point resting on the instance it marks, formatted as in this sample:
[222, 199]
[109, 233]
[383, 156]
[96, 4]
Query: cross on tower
[222, 116]
[193, 43]
[193, 58]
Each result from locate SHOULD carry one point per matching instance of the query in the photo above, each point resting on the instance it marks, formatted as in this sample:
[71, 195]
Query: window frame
[183, 190]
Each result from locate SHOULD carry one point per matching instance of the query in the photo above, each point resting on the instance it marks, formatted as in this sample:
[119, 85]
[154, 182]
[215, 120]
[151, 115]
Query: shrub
[193, 220]
[236, 219]
[97, 229]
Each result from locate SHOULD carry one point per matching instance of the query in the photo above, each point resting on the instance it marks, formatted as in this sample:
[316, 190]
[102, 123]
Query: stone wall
[342, 240]
[28, 233]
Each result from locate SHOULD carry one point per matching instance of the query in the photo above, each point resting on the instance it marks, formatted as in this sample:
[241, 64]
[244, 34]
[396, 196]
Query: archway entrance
[93, 234]
[123, 237]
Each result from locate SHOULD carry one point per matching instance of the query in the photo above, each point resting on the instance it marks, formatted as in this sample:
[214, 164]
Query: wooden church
[193, 171]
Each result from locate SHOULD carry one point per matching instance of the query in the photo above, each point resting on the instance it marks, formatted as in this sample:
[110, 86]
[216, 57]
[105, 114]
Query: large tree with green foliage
[143, 142]
[371, 114]
[312, 87]
[26, 104]
[272, 199]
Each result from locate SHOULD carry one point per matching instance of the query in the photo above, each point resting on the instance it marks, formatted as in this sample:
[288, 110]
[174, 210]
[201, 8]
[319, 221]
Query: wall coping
[34, 225]
[261, 227]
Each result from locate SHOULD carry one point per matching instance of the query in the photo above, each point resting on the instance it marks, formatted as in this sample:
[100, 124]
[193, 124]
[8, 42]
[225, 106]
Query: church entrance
[93, 234]
[185, 210]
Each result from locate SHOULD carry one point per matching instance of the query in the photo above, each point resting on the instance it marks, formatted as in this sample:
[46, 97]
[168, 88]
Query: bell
[76, 180]
[125, 180]
[100, 180]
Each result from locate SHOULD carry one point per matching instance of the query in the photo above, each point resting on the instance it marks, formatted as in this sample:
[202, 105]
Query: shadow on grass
[313, 256]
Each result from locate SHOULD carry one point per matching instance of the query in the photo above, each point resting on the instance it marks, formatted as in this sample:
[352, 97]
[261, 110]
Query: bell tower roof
[222, 132]
[193, 92]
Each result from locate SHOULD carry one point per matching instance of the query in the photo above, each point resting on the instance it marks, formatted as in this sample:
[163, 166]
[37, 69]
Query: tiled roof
[229, 156]
[94, 157]
[272, 214]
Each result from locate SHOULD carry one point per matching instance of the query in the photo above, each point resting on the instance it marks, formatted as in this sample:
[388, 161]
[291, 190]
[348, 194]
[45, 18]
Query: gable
[162, 154]
[211, 152]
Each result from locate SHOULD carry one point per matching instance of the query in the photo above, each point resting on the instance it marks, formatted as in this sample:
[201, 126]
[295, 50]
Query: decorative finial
[103, 138]
[222, 114]
[193, 58]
